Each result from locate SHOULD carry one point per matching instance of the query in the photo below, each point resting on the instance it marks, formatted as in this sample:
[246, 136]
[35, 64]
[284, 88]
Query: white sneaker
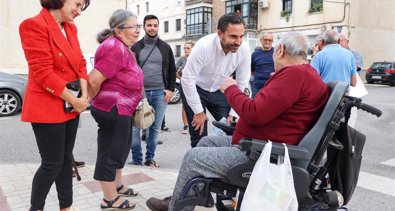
[185, 130]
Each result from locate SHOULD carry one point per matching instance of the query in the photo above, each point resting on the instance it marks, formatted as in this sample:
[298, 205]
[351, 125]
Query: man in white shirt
[213, 58]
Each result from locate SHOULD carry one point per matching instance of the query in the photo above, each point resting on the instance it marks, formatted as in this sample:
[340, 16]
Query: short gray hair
[117, 20]
[266, 33]
[330, 37]
[295, 44]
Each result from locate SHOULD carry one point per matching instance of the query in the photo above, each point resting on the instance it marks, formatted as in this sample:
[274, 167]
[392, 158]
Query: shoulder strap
[149, 54]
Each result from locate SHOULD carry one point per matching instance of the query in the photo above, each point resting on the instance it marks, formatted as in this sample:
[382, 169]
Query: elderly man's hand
[228, 81]
[198, 122]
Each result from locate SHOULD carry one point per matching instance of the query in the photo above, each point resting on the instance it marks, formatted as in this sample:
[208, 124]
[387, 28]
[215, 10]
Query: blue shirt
[262, 64]
[358, 58]
[334, 63]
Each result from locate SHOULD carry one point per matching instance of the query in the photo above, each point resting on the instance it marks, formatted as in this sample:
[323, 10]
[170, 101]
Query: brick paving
[15, 187]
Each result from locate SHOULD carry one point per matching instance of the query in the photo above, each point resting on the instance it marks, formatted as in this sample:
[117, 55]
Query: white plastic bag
[359, 90]
[271, 186]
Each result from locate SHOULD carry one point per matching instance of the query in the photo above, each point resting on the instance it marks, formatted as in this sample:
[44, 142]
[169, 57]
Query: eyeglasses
[267, 40]
[135, 27]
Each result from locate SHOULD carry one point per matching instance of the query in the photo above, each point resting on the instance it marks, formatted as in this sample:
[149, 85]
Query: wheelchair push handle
[357, 102]
[370, 109]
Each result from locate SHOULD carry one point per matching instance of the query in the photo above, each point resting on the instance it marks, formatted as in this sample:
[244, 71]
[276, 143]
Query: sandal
[128, 192]
[124, 206]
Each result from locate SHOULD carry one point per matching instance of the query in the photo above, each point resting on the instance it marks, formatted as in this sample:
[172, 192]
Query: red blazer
[53, 61]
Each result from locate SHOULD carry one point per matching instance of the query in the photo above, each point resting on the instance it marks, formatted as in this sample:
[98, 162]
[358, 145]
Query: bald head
[330, 37]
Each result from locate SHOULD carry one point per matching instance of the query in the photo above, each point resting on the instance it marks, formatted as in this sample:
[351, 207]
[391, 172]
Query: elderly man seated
[284, 110]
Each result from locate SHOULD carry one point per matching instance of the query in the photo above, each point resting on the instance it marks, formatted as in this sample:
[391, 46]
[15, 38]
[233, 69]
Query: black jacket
[168, 64]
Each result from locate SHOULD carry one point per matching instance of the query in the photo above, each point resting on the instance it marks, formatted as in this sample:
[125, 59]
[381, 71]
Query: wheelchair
[310, 165]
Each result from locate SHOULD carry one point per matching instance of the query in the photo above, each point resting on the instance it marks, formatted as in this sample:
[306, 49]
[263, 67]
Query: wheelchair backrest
[313, 138]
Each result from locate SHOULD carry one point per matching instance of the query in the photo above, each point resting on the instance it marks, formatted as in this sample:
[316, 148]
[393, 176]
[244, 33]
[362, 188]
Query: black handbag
[75, 89]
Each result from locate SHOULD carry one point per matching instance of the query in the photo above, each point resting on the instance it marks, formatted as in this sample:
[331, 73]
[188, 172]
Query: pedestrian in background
[343, 41]
[115, 87]
[181, 62]
[156, 59]
[333, 62]
[262, 64]
[214, 57]
[54, 57]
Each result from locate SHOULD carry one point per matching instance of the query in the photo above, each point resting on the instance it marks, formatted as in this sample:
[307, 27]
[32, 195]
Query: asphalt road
[374, 192]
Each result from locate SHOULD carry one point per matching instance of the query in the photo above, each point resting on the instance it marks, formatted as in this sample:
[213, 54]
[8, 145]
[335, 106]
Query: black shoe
[151, 163]
[135, 163]
[165, 129]
[79, 164]
[160, 142]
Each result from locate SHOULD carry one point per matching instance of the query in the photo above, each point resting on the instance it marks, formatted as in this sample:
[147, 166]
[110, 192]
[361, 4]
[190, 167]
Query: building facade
[369, 24]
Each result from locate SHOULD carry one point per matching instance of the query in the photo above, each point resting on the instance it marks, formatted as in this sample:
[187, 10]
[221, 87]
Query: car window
[381, 65]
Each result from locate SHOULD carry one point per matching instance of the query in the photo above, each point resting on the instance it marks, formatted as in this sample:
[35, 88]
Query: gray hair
[117, 20]
[330, 37]
[295, 45]
[266, 33]
[343, 37]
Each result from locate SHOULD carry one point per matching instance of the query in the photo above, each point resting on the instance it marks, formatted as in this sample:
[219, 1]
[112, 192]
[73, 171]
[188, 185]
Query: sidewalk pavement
[16, 179]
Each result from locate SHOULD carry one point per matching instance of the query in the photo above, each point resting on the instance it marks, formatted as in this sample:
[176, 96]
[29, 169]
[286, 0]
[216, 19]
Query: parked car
[383, 72]
[176, 94]
[12, 90]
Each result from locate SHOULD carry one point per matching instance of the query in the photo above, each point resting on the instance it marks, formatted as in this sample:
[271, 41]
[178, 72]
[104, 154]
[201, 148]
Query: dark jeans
[215, 102]
[55, 143]
[113, 142]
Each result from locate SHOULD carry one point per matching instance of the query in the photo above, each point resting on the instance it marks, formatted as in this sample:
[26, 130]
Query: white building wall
[165, 10]
[13, 12]
[369, 24]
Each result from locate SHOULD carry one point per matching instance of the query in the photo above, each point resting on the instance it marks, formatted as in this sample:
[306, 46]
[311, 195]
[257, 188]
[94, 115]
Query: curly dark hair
[230, 18]
[57, 4]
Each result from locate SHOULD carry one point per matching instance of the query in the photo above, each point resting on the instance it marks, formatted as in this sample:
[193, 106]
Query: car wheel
[370, 82]
[176, 96]
[10, 103]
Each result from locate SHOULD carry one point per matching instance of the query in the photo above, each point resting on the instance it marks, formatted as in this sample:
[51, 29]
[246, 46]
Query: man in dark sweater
[262, 65]
[284, 111]
[156, 59]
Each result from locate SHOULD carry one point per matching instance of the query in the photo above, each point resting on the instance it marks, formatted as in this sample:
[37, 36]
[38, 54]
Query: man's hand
[230, 119]
[228, 81]
[198, 122]
[168, 96]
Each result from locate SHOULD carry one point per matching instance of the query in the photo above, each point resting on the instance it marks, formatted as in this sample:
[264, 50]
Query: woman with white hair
[115, 87]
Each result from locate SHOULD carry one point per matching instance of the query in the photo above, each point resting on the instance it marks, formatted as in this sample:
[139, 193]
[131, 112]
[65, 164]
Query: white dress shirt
[208, 66]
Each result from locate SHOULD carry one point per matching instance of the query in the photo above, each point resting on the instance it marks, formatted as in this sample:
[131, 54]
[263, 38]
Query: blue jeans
[155, 99]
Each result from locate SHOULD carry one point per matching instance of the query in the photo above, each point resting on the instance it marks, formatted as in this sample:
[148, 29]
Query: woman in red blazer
[54, 57]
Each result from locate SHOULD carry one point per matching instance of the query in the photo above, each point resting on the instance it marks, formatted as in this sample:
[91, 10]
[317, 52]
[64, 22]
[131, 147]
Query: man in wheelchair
[283, 111]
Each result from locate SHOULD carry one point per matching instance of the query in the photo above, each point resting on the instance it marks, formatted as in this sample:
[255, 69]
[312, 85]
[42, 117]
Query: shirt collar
[219, 46]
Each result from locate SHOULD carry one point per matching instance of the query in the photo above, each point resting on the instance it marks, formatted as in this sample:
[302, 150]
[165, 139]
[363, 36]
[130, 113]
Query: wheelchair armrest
[295, 152]
[228, 129]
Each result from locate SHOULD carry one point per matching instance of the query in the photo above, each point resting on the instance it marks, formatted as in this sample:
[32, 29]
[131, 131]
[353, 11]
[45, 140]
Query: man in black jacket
[156, 59]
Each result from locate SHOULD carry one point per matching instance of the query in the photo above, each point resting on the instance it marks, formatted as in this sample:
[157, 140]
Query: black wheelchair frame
[310, 171]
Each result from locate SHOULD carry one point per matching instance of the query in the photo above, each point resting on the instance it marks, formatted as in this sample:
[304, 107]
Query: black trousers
[113, 142]
[55, 143]
[215, 102]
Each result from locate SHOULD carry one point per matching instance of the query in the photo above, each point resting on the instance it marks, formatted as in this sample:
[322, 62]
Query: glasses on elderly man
[135, 27]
